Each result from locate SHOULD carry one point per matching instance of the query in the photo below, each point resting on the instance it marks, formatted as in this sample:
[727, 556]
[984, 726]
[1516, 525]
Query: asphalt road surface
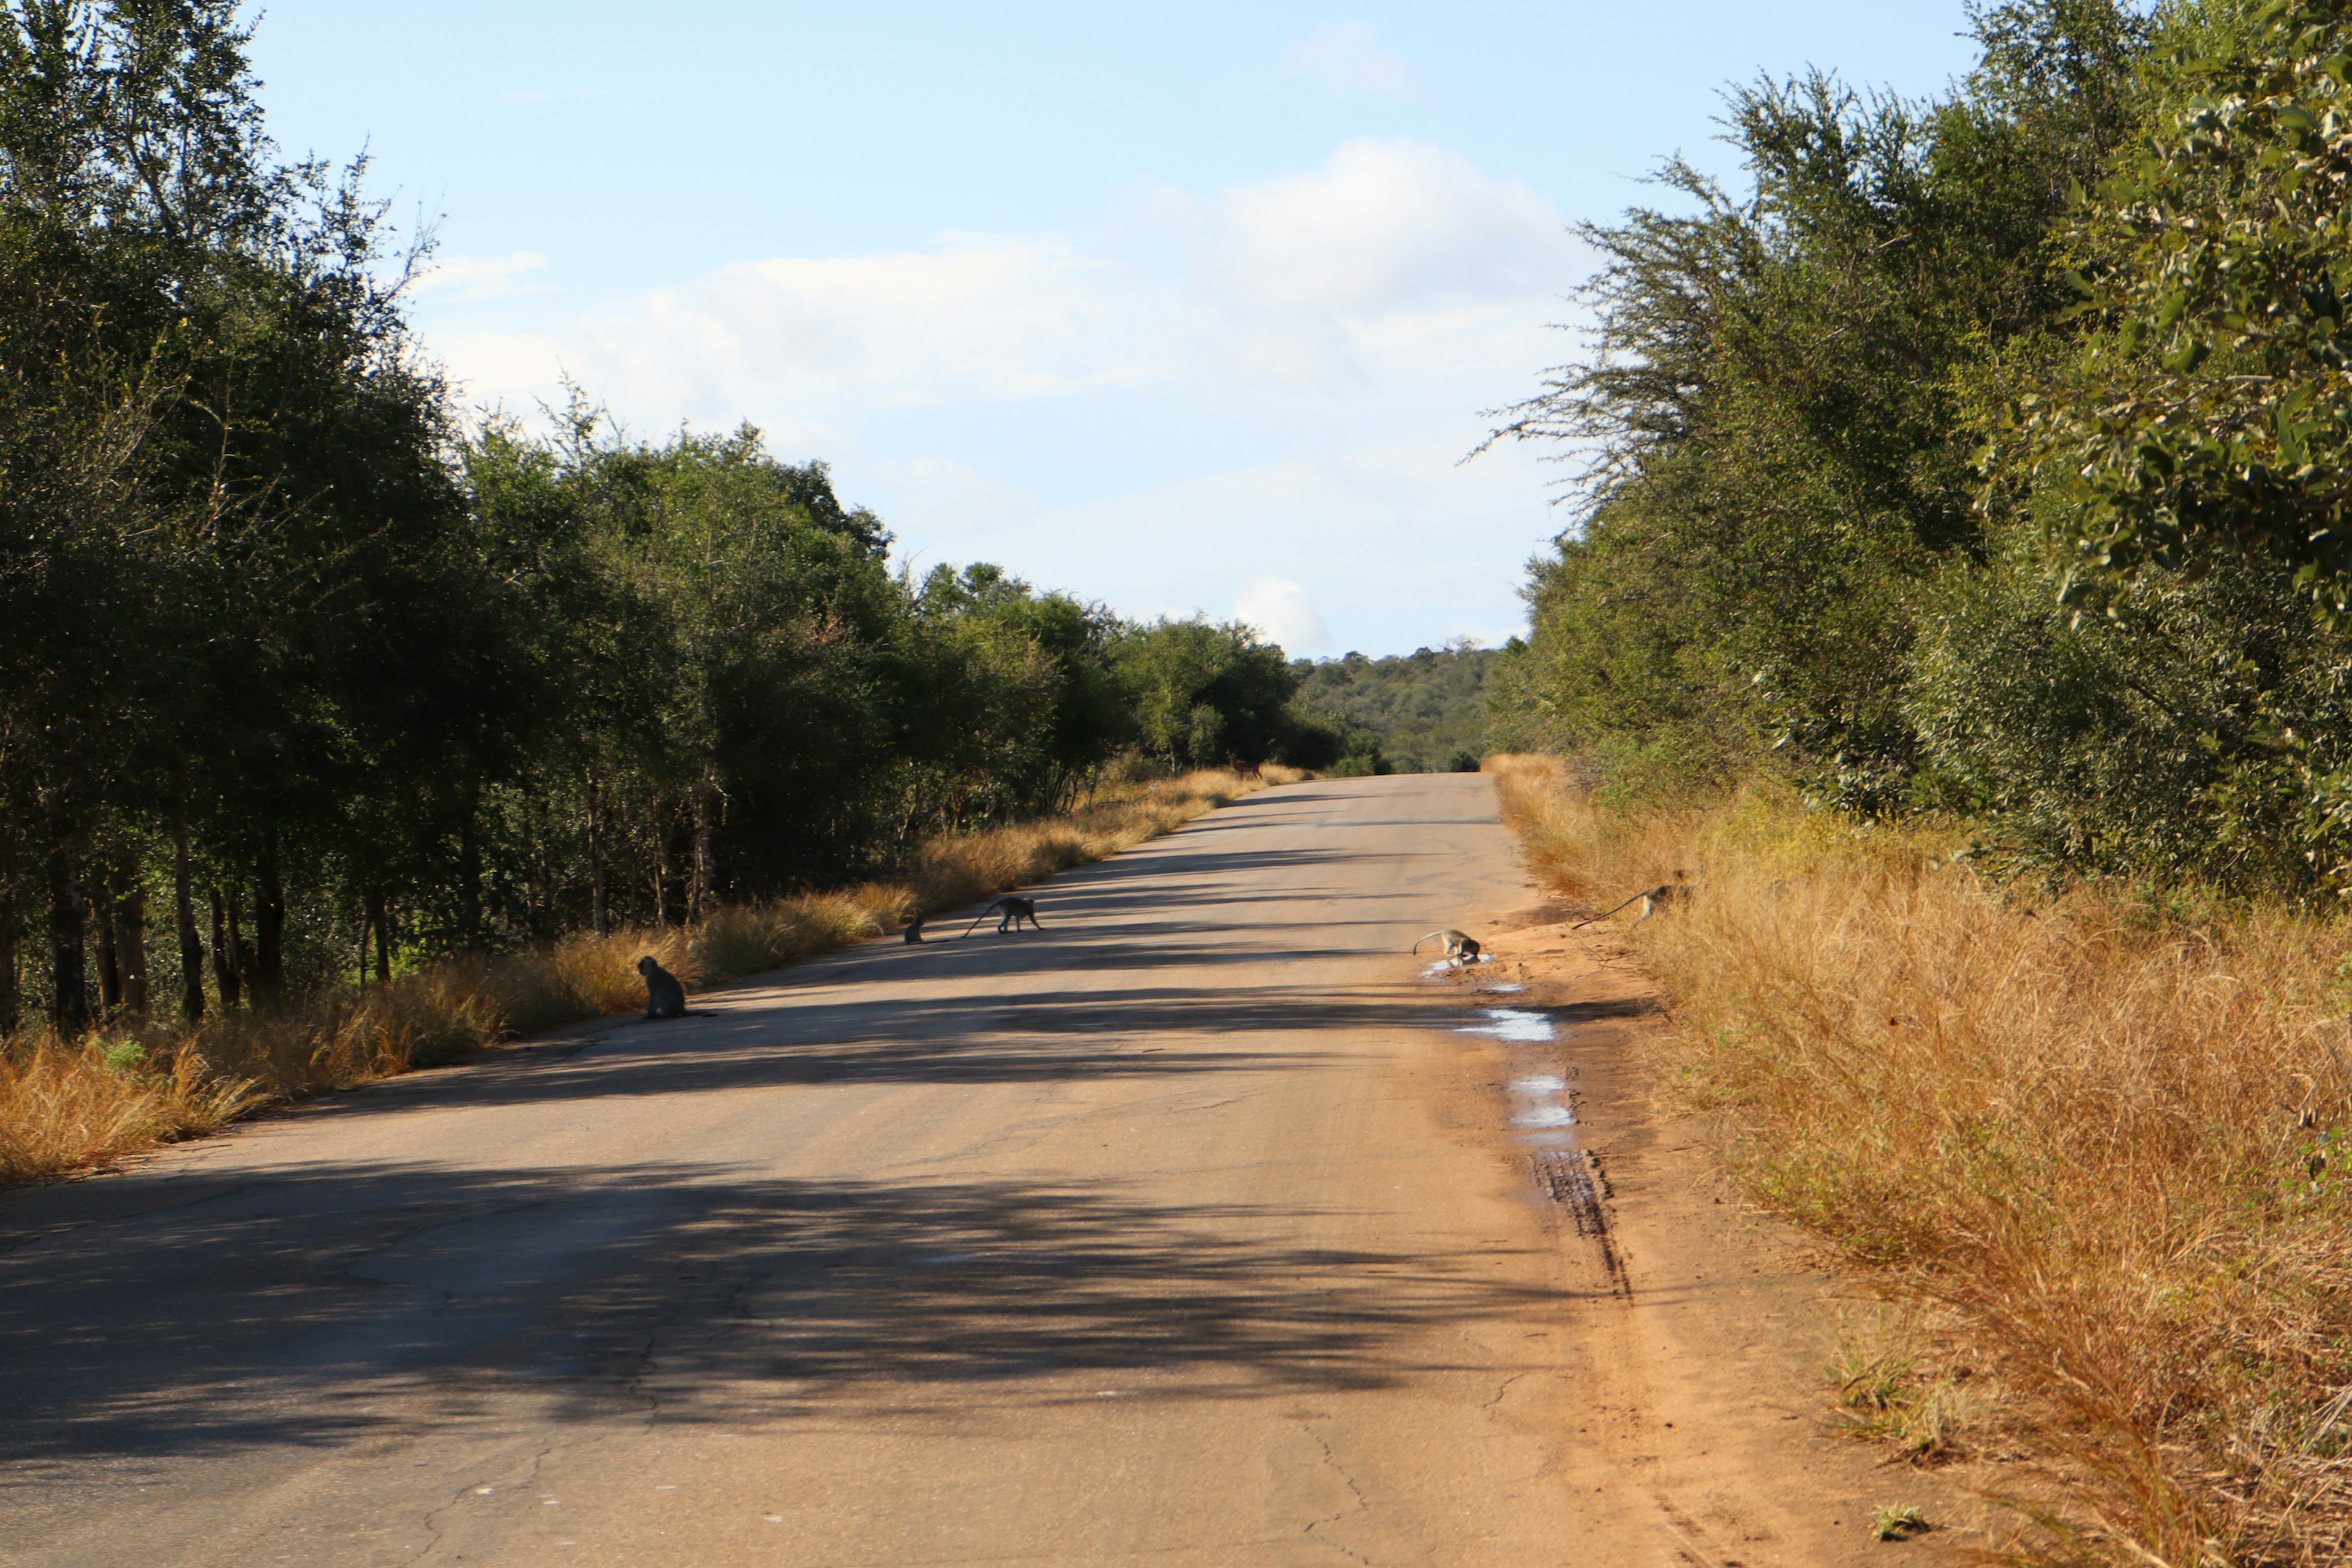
[1183, 1232]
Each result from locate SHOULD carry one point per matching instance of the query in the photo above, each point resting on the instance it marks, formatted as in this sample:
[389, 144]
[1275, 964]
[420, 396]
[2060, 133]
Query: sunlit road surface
[1175, 1234]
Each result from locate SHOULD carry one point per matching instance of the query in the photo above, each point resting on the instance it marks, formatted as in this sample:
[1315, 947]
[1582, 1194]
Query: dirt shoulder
[1712, 1400]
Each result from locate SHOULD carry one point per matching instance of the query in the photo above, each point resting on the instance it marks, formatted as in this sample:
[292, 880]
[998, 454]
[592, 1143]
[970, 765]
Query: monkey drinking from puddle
[1460, 946]
[665, 997]
[1015, 912]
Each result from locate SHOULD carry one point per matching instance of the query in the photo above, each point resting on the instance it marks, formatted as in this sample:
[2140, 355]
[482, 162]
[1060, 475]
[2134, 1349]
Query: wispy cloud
[472, 278]
[1350, 57]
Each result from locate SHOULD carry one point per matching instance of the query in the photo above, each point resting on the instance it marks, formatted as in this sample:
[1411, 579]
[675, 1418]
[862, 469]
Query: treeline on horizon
[1420, 712]
[1989, 458]
[304, 677]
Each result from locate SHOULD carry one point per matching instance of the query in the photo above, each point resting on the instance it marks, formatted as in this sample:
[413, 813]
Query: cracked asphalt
[1183, 1232]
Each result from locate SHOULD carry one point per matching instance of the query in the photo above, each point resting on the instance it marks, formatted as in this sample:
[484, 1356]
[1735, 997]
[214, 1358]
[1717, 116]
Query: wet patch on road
[1542, 1116]
[1515, 1025]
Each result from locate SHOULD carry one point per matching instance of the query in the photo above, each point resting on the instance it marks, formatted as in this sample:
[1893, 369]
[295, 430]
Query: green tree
[1205, 694]
[1772, 421]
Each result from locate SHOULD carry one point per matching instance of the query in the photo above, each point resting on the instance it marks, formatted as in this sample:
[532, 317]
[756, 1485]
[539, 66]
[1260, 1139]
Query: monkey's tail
[983, 915]
[1606, 913]
[1416, 946]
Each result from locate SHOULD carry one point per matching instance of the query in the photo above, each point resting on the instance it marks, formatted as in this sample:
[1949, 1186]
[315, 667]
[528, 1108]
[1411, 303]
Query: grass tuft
[1898, 1521]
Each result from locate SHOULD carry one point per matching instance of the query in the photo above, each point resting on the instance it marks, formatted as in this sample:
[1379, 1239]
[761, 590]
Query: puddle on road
[1543, 1121]
[1518, 1026]
[1540, 1099]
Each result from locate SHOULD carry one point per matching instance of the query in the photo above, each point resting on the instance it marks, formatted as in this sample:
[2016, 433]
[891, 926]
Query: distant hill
[1421, 708]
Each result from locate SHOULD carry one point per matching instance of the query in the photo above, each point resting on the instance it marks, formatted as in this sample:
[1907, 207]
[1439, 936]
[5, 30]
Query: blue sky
[1182, 309]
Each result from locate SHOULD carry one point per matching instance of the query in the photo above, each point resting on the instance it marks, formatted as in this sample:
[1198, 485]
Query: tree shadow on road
[299, 1307]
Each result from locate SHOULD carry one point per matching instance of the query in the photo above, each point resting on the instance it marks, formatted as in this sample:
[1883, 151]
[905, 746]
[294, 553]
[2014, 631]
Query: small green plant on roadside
[123, 1059]
[1364, 759]
[1898, 1521]
[1886, 1397]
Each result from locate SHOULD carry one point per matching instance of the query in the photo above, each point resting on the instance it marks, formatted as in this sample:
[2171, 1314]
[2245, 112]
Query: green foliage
[1207, 694]
[1936, 482]
[2168, 735]
[2207, 412]
[279, 635]
[1420, 709]
[1362, 760]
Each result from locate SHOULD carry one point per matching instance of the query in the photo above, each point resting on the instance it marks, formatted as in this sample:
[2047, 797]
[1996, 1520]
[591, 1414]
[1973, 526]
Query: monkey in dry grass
[1652, 901]
[1460, 947]
[1015, 912]
[665, 995]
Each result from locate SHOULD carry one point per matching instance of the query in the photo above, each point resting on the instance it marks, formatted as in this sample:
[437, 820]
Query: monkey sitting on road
[1652, 901]
[915, 930]
[665, 997]
[1015, 912]
[1460, 946]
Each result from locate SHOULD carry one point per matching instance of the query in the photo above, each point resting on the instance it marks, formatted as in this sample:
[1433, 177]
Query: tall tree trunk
[379, 914]
[228, 952]
[697, 892]
[184, 907]
[131, 939]
[11, 999]
[469, 869]
[268, 974]
[110, 965]
[599, 915]
[69, 966]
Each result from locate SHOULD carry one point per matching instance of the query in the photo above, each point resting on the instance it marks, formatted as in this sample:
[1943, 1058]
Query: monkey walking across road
[1460, 946]
[1015, 912]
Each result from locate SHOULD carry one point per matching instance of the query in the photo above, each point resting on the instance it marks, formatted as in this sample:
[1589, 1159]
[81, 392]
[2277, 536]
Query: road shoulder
[1715, 1405]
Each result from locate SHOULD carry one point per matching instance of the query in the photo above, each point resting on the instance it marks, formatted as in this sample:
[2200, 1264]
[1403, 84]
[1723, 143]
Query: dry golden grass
[67, 1105]
[2110, 1136]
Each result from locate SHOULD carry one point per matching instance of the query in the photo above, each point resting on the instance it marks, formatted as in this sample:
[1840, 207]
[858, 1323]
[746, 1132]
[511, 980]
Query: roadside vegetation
[341, 733]
[1987, 458]
[311, 683]
[2103, 1127]
[72, 1100]
[1956, 589]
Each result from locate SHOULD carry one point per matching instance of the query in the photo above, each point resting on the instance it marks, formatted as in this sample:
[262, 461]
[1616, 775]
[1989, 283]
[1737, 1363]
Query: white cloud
[1280, 609]
[1385, 225]
[1350, 57]
[1274, 379]
[992, 317]
[472, 278]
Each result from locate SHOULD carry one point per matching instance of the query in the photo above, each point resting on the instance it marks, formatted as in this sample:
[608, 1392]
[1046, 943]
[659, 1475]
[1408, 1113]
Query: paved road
[1180, 1234]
